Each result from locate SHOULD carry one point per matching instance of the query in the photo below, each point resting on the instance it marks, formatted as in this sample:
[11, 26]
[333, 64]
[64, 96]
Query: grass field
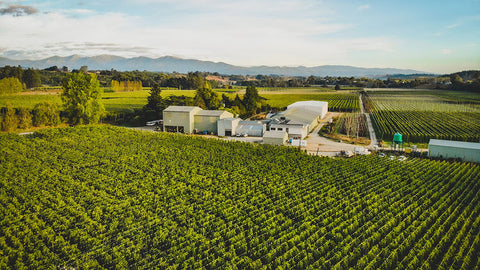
[121, 101]
[113, 101]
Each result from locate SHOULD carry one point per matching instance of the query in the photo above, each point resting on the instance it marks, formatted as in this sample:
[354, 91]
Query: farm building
[227, 126]
[466, 151]
[179, 118]
[300, 118]
[275, 137]
[206, 120]
[293, 128]
[251, 128]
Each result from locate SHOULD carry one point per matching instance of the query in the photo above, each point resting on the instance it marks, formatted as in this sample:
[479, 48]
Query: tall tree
[31, 78]
[206, 98]
[10, 85]
[10, 120]
[251, 99]
[155, 100]
[82, 98]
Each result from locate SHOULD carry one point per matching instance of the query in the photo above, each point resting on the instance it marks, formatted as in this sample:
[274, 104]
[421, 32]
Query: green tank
[397, 138]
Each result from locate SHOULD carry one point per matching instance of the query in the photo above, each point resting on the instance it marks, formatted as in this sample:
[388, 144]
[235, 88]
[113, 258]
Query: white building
[179, 118]
[466, 151]
[250, 128]
[300, 118]
[227, 126]
[206, 120]
[275, 137]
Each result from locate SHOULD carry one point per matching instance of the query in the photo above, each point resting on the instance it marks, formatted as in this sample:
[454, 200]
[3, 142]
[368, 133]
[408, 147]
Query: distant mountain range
[174, 64]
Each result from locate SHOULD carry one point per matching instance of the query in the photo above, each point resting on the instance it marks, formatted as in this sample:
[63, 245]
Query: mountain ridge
[181, 65]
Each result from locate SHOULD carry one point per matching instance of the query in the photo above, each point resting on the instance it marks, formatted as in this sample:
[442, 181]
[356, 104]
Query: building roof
[181, 108]
[309, 103]
[275, 134]
[298, 115]
[211, 113]
[456, 144]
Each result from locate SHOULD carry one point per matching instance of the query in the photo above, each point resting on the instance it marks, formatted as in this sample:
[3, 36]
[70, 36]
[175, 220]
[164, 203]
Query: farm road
[371, 131]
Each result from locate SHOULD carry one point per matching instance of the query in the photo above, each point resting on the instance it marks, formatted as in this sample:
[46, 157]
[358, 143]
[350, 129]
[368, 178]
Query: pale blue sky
[432, 36]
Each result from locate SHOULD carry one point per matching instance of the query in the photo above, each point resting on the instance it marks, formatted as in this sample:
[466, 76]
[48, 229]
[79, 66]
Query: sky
[431, 36]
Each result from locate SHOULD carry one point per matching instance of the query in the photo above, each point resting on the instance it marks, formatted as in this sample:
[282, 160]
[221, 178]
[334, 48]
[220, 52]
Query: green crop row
[111, 198]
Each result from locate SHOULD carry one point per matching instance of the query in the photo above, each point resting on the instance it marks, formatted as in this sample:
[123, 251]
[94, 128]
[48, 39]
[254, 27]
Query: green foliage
[126, 86]
[9, 120]
[10, 85]
[99, 197]
[46, 114]
[82, 98]
[251, 100]
[31, 78]
[206, 98]
[24, 118]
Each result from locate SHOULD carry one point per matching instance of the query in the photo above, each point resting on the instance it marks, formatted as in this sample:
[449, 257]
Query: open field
[121, 101]
[114, 101]
[108, 197]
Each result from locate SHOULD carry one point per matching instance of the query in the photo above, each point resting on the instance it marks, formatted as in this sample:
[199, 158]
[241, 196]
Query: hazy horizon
[429, 36]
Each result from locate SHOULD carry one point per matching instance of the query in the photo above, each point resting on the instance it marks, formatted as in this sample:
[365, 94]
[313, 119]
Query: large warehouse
[186, 119]
[466, 151]
[206, 120]
[300, 118]
[179, 118]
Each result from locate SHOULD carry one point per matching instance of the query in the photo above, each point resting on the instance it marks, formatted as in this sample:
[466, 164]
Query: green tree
[31, 78]
[24, 118]
[46, 114]
[155, 101]
[251, 99]
[10, 120]
[206, 98]
[82, 98]
[10, 85]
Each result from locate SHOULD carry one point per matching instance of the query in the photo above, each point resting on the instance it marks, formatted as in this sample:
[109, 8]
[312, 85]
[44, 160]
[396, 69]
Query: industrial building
[466, 151]
[179, 118]
[251, 128]
[296, 122]
[300, 118]
[205, 121]
[227, 126]
[275, 137]
[187, 119]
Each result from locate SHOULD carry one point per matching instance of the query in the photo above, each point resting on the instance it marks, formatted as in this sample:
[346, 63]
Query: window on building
[280, 129]
[272, 128]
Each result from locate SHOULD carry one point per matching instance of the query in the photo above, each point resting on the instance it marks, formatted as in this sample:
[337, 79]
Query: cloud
[452, 26]
[447, 51]
[363, 7]
[18, 10]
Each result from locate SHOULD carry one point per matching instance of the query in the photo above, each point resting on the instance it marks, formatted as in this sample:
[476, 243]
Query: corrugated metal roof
[181, 108]
[275, 134]
[308, 103]
[212, 113]
[457, 144]
[299, 115]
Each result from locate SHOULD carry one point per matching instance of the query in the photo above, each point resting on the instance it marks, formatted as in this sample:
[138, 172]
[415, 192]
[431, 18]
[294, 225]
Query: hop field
[111, 198]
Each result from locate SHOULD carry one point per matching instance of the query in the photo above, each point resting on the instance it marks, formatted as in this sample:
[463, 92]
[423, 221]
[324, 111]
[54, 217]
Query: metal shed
[179, 118]
[275, 137]
[227, 126]
[466, 151]
[206, 120]
[251, 128]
